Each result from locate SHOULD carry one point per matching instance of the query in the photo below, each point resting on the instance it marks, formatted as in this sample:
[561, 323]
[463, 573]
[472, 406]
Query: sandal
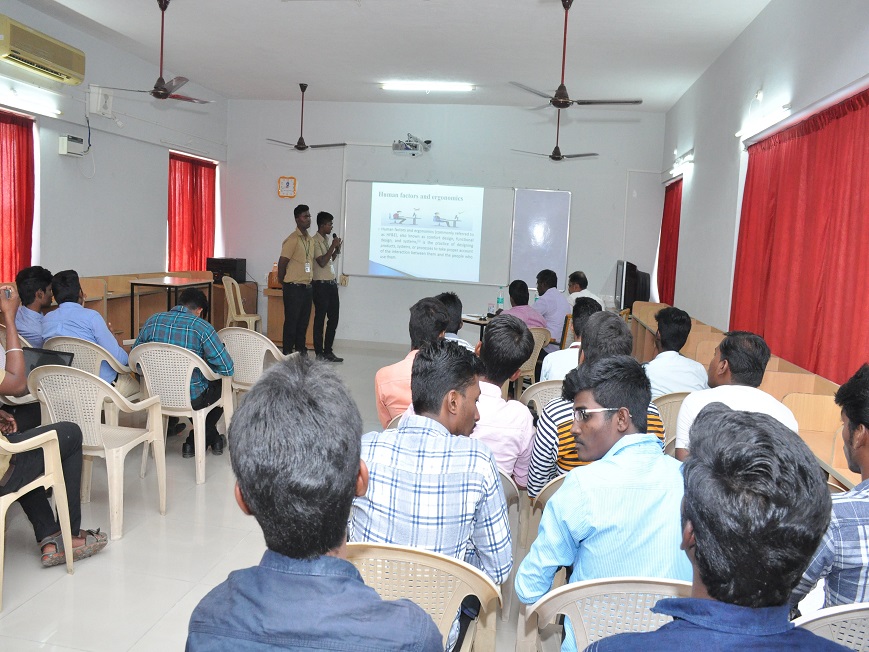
[57, 556]
[94, 542]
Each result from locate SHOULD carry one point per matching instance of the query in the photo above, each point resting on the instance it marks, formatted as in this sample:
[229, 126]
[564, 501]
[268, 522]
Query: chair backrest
[21, 340]
[393, 422]
[74, 395]
[538, 504]
[167, 370]
[435, 582]
[668, 405]
[600, 608]
[541, 339]
[251, 353]
[233, 299]
[567, 334]
[541, 393]
[781, 383]
[847, 624]
[87, 356]
[819, 419]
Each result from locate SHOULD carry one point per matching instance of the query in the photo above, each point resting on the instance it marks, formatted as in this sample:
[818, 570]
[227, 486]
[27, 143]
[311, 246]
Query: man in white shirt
[453, 305]
[670, 371]
[551, 305]
[560, 363]
[577, 287]
[735, 373]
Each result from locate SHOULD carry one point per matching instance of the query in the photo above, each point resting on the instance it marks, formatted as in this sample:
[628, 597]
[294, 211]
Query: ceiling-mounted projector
[413, 146]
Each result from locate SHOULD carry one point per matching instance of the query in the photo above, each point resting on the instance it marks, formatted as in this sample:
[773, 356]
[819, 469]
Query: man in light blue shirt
[72, 319]
[34, 288]
[551, 305]
[620, 515]
[671, 371]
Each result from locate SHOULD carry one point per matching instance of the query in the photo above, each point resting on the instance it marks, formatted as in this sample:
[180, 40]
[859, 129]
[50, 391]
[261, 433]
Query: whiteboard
[541, 226]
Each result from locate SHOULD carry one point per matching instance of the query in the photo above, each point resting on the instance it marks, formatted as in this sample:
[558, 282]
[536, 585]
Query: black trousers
[205, 399]
[297, 313]
[29, 465]
[325, 306]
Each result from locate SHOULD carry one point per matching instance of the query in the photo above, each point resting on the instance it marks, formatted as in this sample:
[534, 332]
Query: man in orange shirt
[428, 322]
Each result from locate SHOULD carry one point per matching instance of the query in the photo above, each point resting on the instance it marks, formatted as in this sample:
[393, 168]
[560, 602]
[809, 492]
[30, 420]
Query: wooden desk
[477, 320]
[848, 479]
[170, 284]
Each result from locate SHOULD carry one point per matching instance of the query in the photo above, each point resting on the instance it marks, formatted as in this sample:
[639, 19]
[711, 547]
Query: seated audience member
[34, 288]
[506, 427]
[840, 559]
[577, 288]
[186, 327]
[551, 305]
[734, 375]
[756, 505]
[519, 297]
[72, 319]
[22, 468]
[295, 453]
[558, 364]
[428, 321]
[618, 517]
[554, 453]
[431, 486]
[453, 305]
[670, 371]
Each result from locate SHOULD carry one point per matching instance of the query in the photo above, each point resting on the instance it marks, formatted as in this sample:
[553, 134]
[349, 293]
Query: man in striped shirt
[605, 334]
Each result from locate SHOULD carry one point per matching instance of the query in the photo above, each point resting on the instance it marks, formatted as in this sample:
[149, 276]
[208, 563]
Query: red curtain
[192, 187]
[801, 278]
[17, 190]
[668, 249]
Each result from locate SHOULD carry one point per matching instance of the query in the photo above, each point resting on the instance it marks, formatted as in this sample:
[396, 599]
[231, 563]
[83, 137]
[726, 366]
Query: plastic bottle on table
[500, 298]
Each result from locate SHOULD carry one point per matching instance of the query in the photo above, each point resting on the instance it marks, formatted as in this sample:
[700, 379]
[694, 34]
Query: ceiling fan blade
[185, 98]
[328, 145]
[531, 90]
[586, 155]
[281, 142]
[599, 102]
[174, 84]
[525, 151]
[126, 90]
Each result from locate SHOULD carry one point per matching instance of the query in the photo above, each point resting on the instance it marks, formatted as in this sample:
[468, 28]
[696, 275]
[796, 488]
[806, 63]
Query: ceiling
[261, 49]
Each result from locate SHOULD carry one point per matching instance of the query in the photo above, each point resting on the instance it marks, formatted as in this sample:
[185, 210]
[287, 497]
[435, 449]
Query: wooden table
[172, 284]
[848, 479]
[477, 320]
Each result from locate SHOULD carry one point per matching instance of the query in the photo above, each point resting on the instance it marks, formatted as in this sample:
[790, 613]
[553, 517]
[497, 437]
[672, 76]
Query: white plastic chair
[668, 405]
[541, 339]
[52, 477]
[69, 394]
[538, 504]
[235, 313]
[393, 422]
[600, 608]
[167, 370]
[251, 352]
[847, 624]
[541, 393]
[435, 582]
[514, 515]
[14, 400]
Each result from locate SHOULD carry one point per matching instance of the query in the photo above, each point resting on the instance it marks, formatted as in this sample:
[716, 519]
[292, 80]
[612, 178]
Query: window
[192, 200]
[17, 194]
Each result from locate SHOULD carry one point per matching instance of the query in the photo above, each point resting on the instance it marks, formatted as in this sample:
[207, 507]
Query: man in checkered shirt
[841, 557]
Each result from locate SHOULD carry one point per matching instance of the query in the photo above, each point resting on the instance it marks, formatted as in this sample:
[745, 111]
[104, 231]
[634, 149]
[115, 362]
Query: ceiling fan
[556, 151]
[300, 145]
[164, 90]
[561, 99]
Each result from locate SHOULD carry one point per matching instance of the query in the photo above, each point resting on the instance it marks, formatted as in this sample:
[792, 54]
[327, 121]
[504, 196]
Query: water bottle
[500, 298]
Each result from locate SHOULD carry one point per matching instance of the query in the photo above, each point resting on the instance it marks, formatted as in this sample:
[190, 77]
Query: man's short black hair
[758, 502]
[66, 286]
[453, 305]
[298, 210]
[295, 446]
[323, 217]
[746, 355]
[438, 368]
[674, 326]
[193, 298]
[584, 308]
[31, 280]
[853, 397]
[548, 278]
[428, 319]
[578, 278]
[605, 334]
[518, 291]
[615, 382]
[507, 344]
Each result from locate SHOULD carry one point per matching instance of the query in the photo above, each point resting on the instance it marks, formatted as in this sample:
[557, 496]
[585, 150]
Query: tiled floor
[138, 593]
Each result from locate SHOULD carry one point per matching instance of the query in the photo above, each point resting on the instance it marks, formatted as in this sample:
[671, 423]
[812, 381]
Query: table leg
[132, 311]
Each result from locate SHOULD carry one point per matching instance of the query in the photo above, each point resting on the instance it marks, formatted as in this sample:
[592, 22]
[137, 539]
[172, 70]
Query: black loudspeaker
[233, 267]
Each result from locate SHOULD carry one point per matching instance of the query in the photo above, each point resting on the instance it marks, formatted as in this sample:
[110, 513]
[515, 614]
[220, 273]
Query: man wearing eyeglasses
[620, 516]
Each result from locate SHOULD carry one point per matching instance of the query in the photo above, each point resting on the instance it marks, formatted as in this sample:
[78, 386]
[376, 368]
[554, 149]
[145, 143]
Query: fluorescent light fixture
[764, 122]
[427, 86]
[683, 163]
[12, 99]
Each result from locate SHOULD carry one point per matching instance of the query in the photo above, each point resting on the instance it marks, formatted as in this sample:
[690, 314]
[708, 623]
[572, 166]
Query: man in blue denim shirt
[295, 444]
[756, 506]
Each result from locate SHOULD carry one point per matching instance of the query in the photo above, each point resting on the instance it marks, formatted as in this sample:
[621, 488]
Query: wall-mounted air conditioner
[39, 53]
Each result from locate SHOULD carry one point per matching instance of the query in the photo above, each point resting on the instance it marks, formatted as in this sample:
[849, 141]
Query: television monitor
[631, 285]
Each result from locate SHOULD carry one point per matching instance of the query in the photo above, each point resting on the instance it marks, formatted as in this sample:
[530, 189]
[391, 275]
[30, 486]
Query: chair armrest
[39, 441]
[207, 371]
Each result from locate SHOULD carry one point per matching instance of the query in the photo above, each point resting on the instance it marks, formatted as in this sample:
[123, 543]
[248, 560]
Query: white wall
[798, 52]
[106, 213]
[471, 146]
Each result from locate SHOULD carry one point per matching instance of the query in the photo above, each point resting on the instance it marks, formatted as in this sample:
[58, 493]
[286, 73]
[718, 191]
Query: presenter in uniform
[296, 269]
[325, 287]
